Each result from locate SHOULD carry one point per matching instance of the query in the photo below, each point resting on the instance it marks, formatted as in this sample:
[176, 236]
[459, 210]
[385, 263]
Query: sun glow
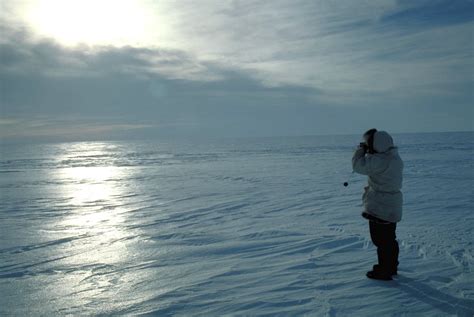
[92, 22]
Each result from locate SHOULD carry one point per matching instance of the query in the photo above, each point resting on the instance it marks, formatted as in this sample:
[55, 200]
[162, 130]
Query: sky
[99, 69]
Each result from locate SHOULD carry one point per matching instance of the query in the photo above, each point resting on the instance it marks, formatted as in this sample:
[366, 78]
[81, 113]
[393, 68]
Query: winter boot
[376, 267]
[378, 275]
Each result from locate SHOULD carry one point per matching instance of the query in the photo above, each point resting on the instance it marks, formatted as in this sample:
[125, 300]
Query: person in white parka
[378, 158]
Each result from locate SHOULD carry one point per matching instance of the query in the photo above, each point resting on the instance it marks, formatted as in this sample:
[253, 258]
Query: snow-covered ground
[236, 226]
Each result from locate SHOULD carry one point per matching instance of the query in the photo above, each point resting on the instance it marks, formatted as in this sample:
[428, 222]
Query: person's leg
[388, 248]
[396, 250]
[377, 233]
[384, 238]
[375, 236]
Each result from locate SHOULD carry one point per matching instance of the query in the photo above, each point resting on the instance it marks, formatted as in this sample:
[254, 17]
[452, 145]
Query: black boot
[379, 275]
[376, 267]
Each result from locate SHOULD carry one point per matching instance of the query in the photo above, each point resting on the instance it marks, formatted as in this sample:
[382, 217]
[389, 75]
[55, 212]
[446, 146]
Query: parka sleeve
[365, 164]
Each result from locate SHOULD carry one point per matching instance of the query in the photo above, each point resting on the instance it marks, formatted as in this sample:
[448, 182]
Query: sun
[93, 22]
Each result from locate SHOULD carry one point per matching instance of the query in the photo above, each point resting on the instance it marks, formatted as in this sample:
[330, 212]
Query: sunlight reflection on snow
[92, 185]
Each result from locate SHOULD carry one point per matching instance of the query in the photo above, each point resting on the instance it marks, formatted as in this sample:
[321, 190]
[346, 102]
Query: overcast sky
[103, 69]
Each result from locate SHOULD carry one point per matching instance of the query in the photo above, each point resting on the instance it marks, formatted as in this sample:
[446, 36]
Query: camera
[364, 146]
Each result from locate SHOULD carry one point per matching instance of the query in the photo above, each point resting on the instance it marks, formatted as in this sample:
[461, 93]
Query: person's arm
[365, 164]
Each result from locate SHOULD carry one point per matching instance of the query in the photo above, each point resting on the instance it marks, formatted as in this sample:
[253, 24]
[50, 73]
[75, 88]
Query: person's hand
[363, 146]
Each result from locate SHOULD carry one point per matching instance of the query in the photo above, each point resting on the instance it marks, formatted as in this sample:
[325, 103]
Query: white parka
[382, 197]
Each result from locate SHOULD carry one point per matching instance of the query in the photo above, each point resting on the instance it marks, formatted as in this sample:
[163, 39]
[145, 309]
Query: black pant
[384, 238]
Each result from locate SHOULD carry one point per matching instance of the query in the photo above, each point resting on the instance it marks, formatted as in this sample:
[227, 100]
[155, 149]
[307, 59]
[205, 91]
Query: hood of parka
[382, 141]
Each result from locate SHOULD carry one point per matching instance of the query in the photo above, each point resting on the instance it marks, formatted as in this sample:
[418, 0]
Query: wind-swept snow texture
[257, 226]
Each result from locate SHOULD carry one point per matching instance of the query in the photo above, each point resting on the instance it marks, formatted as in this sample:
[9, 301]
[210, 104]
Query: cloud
[253, 67]
[335, 46]
[50, 90]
